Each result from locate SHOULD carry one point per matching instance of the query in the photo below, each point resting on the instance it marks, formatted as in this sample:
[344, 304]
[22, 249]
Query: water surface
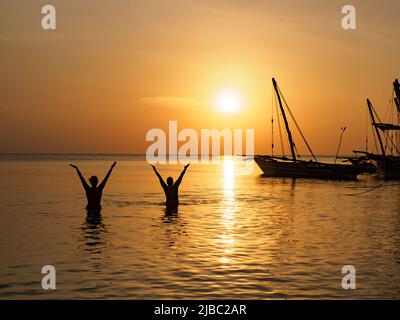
[239, 237]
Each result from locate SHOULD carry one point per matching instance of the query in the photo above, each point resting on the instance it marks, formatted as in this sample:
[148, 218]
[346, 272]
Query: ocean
[234, 236]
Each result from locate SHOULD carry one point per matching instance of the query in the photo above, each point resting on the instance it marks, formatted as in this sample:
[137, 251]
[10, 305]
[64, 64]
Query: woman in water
[171, 189]
[94, 192]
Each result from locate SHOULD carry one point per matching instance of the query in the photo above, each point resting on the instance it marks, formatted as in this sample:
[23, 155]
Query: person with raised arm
[170, 188]
[94, 192]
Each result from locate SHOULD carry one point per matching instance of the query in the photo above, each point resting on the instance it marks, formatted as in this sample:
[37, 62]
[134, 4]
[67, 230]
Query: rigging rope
[279, 125]
[383, 184]
[385, 134]
[298, 127]
[272, 121]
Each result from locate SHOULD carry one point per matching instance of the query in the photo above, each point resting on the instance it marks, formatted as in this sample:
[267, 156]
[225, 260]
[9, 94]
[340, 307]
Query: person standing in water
[170, 188]
[93, 192]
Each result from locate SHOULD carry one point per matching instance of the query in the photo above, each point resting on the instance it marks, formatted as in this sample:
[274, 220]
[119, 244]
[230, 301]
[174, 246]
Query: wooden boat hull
[388, 168]
[361, 164]
[305, 169]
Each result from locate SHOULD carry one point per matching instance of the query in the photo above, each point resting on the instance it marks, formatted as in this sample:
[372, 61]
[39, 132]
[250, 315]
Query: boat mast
[397, 105]
[397, 99]
[371, 113]
[285, 120]
[396, 86]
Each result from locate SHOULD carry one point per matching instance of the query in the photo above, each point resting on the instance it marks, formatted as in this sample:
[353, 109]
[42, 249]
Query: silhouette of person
[93, 192]
[171, 189]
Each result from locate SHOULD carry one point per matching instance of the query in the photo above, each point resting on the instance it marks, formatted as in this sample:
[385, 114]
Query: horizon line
[132, 154]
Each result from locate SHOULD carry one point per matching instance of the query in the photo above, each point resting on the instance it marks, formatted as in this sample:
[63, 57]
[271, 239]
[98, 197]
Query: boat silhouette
[294, 166]
[387, 137]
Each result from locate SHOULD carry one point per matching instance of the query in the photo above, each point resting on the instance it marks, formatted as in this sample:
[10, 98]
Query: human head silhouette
[170, 181]
[93, 181]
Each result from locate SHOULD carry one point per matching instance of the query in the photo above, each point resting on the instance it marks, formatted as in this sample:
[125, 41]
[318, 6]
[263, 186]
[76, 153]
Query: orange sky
[115, 69]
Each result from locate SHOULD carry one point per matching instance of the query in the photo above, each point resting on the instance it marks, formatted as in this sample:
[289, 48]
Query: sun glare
[229, 101]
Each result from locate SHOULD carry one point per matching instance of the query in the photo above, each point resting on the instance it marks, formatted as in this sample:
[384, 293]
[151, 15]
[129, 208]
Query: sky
[113, 70]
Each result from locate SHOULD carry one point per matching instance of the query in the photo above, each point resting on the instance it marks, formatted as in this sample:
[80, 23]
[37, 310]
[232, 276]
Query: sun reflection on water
[226, 238]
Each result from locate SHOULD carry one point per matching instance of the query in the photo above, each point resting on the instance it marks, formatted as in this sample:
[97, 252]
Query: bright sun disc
[229, 101]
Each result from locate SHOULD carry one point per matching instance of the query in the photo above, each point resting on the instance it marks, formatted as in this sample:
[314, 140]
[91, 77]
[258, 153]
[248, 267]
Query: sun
[229, 101]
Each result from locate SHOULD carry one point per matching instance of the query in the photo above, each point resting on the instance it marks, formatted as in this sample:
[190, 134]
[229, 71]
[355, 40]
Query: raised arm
[84, 183]
[179, 180]
[103, 183]
[162, 182]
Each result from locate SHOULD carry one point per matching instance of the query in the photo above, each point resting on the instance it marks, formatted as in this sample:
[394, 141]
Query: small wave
[131, 203]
